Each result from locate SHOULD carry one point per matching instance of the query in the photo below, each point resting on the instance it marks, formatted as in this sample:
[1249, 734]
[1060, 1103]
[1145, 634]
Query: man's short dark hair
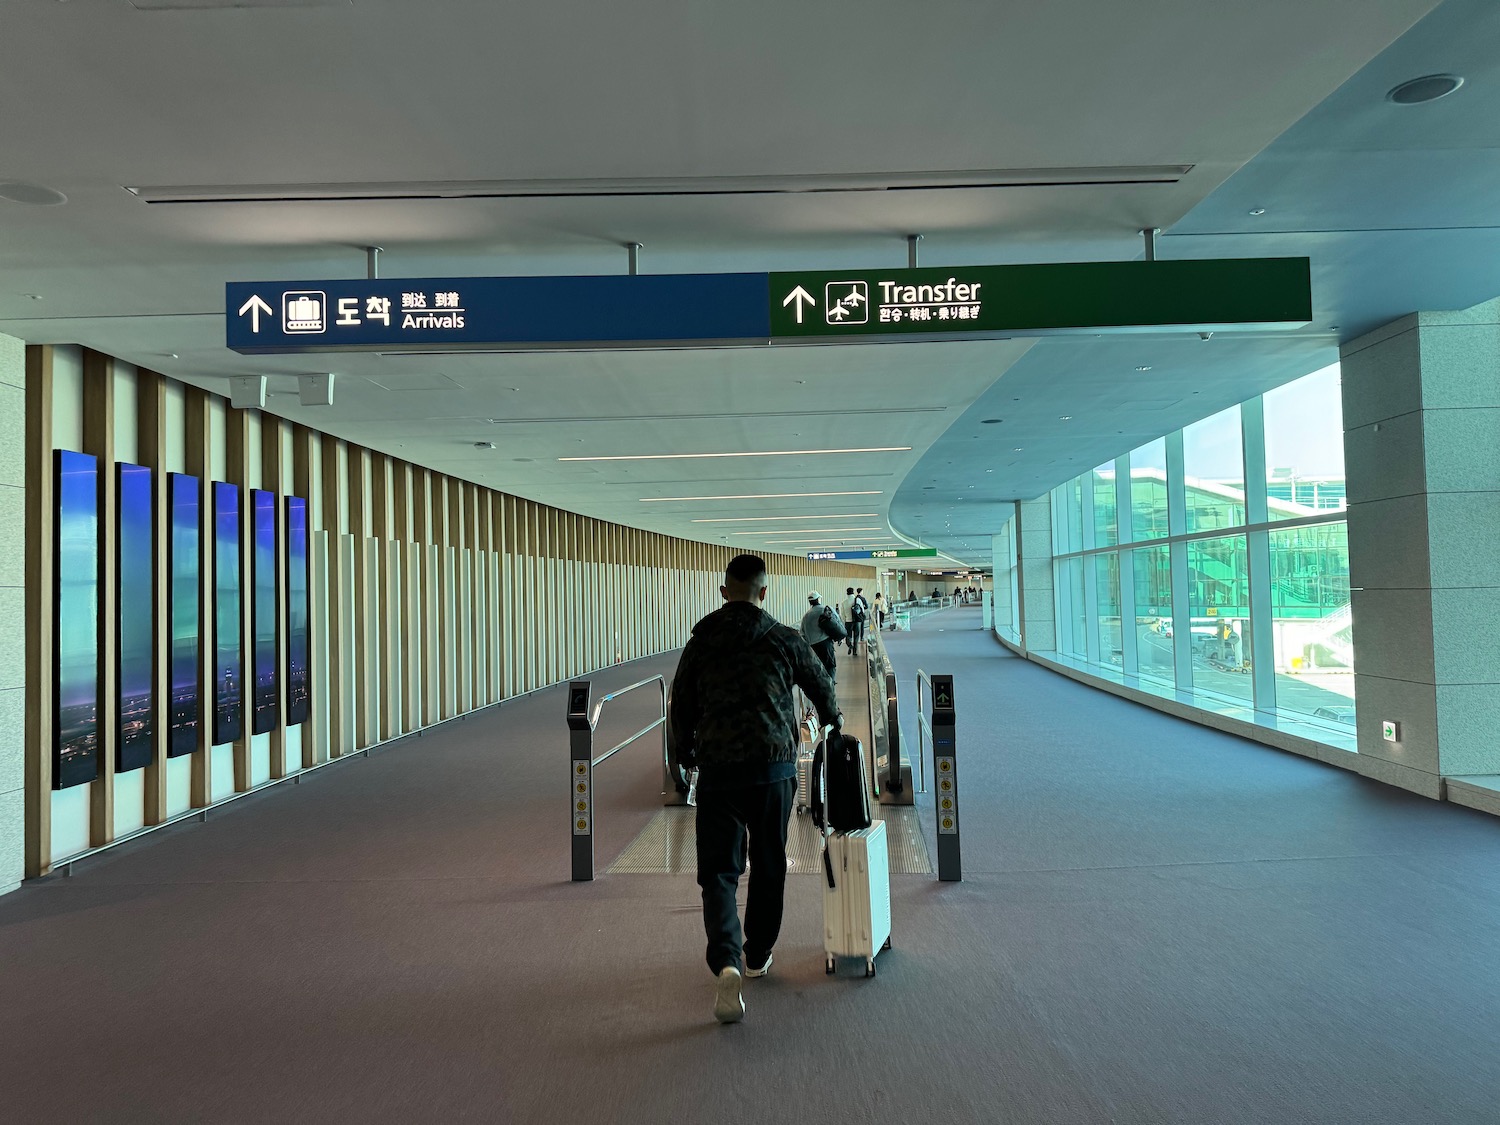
[745, 570]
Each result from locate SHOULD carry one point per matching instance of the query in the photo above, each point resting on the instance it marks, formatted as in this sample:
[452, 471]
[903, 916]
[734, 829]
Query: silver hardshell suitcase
[804, 778]
[856, 896]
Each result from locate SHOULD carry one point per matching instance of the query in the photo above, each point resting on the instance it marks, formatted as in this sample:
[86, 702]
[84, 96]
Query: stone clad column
[1422, 453]
[1035, 586]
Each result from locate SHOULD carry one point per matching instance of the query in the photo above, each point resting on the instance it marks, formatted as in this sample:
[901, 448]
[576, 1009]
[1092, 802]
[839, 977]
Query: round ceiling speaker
[1428, 88]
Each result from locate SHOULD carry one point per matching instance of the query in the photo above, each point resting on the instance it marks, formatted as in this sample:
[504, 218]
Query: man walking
[849, 606]
[733, 717]
[821, 629]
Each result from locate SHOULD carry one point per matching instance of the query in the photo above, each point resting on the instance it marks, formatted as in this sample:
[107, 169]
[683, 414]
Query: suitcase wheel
[828, 964]
[887, 944]
[869, 966]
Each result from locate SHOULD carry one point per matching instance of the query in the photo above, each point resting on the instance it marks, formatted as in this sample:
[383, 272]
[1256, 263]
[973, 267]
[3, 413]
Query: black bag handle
[815, 784]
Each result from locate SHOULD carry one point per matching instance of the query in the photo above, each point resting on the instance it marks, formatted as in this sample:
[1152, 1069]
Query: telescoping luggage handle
[815, 798]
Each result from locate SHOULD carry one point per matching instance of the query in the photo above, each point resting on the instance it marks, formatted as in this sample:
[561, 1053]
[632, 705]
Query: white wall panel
[411, 625]
[260, 759]
[70, 822]
[130, 802]
[126, 410]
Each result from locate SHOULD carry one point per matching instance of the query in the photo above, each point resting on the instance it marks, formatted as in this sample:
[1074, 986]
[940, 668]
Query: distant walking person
[861, 616]
[848, 612]
[822, 629]
[734, 717]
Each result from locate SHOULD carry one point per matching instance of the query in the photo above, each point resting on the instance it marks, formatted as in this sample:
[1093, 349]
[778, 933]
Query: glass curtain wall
[1246, 602]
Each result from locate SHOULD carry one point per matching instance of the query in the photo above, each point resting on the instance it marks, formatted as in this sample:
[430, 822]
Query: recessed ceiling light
[758, 453]
[990, 421]
[484, 445]
[819, 530]
[1257, 211]
[1065, 417]
[523, 458]
[1017, 448]
[1428, 88]
[35, 194]
[757, 496]
[33, 296]
[1144, 367]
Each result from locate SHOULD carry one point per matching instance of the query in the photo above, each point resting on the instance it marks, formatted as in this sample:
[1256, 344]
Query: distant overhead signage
[903, 553]
[746, 309]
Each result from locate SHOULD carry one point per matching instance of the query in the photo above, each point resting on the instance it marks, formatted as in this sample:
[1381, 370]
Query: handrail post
[581, 755]
[945, 769]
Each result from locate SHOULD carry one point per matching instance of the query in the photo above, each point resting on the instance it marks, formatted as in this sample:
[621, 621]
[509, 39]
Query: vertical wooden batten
[237, 473]
[151, 438]
[272, 478]
[199, 463]
[39, 639]
[99, 440]
[304, 473]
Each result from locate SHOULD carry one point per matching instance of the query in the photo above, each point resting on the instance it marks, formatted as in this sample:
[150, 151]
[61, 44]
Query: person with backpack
[821, 629]
[848, 610]
[861, 616]
[735, 718]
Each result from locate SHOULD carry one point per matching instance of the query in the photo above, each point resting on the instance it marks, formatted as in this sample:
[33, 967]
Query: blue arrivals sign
[455, 313]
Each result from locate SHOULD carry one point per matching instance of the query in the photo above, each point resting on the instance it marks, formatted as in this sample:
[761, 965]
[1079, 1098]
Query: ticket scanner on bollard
[581, 750]
[945, 774]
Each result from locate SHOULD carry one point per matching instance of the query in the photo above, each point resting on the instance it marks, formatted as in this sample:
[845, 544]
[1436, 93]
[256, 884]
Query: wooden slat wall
[461, 596]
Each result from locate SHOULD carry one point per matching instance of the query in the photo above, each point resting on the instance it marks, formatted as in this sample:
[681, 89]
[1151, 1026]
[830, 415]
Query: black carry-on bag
[843, 797]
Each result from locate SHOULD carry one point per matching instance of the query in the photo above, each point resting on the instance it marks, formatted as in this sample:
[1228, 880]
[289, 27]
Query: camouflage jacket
[732, 701]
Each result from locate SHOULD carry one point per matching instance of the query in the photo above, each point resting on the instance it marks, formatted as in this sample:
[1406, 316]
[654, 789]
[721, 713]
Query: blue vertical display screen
[135, 606]
[298, 614]
[265, 626]
[76, 750]
[229, 675]
[184, 594]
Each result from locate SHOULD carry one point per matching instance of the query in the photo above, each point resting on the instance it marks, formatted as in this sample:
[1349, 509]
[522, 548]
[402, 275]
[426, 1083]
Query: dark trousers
[724, 820]
[823, 650]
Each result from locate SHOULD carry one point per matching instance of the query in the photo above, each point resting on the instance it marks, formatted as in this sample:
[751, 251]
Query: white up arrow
[255, 306]
[798, 294]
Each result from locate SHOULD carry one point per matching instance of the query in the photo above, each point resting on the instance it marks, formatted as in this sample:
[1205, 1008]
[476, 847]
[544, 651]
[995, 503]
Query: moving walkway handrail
[661, 721]
[924, 727]
[892, 721]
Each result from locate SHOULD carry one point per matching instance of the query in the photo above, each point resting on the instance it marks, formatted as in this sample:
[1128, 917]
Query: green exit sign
[979, 301]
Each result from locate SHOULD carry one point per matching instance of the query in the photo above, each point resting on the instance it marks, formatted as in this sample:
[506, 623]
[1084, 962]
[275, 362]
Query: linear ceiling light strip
[660, 186]
[756, 496]
[778, 519]
[757, 453]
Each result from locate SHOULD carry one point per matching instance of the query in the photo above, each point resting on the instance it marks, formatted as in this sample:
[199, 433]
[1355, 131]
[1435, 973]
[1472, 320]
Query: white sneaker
[763, 970]
[729, 1005]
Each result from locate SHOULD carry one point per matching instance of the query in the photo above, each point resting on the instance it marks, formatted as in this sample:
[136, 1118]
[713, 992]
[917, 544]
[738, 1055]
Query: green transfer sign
[977, 301]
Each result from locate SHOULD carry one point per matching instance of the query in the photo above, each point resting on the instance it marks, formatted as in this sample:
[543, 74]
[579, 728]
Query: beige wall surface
[461, 594]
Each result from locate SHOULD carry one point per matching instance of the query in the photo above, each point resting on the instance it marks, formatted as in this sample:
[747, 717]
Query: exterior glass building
[1226, 580]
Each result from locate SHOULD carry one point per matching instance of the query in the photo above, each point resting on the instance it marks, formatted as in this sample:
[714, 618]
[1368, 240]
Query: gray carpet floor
[1158, 923]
